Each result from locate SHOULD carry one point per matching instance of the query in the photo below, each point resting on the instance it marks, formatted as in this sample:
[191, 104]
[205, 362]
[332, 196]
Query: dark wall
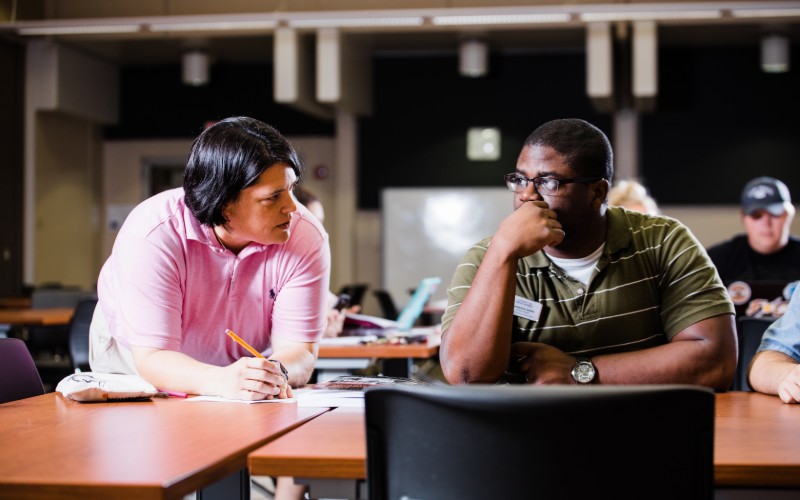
[11, 169]
[423, 108]
[719, 120]
[154, 103]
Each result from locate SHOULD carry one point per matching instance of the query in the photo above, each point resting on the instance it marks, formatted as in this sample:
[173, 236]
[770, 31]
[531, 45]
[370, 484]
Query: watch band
[283, 369]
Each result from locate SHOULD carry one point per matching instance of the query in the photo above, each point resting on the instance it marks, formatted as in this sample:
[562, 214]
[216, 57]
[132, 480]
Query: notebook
[407, 316]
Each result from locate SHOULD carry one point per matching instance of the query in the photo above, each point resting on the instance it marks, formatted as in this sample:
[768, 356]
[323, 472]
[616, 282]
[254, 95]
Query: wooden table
[15, 302]
[377, 350]
[398, 358]
[335, 467]
[756, 441]
[756, 445]
[53, 447]
[36, 317]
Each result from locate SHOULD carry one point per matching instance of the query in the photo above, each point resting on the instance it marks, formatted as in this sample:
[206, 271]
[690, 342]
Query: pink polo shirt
[169, 284]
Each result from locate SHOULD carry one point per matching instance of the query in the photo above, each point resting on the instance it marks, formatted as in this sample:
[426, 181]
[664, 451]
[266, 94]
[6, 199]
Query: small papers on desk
[220, 399]
[359, 383]
[93, 387]
[345, 391]
[329, 398]
[348, 341]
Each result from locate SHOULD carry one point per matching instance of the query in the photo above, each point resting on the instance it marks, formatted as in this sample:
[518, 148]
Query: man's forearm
[768, 369]
[476, 346]
[705, 361]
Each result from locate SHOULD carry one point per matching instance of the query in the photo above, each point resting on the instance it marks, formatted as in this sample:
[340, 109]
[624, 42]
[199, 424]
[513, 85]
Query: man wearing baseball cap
[766, 251]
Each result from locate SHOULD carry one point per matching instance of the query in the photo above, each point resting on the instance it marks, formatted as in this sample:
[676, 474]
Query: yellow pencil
[244, 344]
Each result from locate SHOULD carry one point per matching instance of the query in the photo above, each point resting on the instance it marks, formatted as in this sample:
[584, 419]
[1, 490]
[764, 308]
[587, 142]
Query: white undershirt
[580, 269]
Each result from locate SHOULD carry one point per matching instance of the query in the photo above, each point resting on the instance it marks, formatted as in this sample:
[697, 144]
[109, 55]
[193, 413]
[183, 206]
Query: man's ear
[600, 193]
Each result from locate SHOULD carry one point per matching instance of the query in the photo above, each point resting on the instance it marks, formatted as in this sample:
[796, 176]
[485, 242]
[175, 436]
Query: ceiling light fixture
[654, 15]
[98, 29]
[362, 22]
[473, 58]
[501, 19]
[774, 53]
[195, 68]
[761, 13]
[214, 26]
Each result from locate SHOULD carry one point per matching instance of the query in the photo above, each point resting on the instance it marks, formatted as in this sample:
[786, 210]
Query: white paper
[325, 398]
[348, 340]
[245, 401]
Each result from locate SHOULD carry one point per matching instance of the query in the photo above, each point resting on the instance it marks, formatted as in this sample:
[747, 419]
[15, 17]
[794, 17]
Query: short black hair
[228, 157]
[585, 148]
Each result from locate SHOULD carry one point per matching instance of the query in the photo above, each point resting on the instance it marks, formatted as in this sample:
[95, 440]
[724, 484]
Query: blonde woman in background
[632, 195]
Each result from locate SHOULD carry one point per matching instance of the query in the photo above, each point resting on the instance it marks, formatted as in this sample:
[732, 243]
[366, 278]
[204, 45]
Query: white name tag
[527, 309]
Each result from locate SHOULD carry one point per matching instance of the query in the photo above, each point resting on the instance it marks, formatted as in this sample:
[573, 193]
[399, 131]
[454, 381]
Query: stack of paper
[310, 397]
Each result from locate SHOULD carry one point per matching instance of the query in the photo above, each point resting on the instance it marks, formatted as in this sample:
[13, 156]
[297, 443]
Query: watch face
[583, 372]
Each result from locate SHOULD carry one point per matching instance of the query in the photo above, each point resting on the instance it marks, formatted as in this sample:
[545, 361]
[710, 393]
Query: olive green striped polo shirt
[653, 280]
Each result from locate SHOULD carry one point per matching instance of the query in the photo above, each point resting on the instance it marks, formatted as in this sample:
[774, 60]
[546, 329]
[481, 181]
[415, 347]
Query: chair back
[79, 333]
[750, 331]
[477, 442]
[355, 291]
[44, 298]
[388, 307]
[18, 375]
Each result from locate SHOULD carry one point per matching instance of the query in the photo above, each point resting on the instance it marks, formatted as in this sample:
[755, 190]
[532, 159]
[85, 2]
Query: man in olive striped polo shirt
[570, 290]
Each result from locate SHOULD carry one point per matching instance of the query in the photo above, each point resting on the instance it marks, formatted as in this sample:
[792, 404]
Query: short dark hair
[584, 147]
[228, 157]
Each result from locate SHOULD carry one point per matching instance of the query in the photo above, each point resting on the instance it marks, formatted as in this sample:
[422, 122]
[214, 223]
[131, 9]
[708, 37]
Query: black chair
[79, 333]
[18, 375]
[388, 308]
[51, 341]
[49, 344]
[750, 331]
[477, 442]
[355, 291]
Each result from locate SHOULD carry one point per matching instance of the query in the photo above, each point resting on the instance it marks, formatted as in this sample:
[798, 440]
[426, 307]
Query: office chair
[355, 291]
[749, 332]
[79, 333]
[51, 340]
[477, 442]
[388, 308]
[49, 344]
[18, 375]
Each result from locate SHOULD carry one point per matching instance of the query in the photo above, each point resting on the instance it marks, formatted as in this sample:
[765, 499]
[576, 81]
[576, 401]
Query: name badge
[527, 309]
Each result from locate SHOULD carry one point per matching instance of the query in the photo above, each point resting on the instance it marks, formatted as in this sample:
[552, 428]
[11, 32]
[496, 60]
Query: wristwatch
[284, 372]
[584, 371]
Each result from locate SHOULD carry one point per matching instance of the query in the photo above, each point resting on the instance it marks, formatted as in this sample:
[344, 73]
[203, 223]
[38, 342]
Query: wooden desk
[756, 445]
[53, 447]
[339, 452]
[398, 359]
[756, 441]
[418, 351]
[15, 302]
[36, 317]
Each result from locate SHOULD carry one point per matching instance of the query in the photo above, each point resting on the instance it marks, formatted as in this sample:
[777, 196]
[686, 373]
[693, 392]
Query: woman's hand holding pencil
[258, 377]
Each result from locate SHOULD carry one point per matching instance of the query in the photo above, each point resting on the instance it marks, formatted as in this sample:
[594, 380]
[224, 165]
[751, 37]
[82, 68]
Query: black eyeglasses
[544, 185]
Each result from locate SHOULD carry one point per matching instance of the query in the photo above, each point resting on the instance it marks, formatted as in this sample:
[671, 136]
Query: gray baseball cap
[765, 193]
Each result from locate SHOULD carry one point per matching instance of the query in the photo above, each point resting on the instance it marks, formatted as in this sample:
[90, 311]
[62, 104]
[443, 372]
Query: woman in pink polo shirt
[229, 250]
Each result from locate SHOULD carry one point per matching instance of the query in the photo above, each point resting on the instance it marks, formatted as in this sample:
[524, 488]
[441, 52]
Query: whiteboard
[426, 232]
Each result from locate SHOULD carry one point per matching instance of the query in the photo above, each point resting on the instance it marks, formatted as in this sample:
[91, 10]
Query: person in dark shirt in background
[766, 251]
